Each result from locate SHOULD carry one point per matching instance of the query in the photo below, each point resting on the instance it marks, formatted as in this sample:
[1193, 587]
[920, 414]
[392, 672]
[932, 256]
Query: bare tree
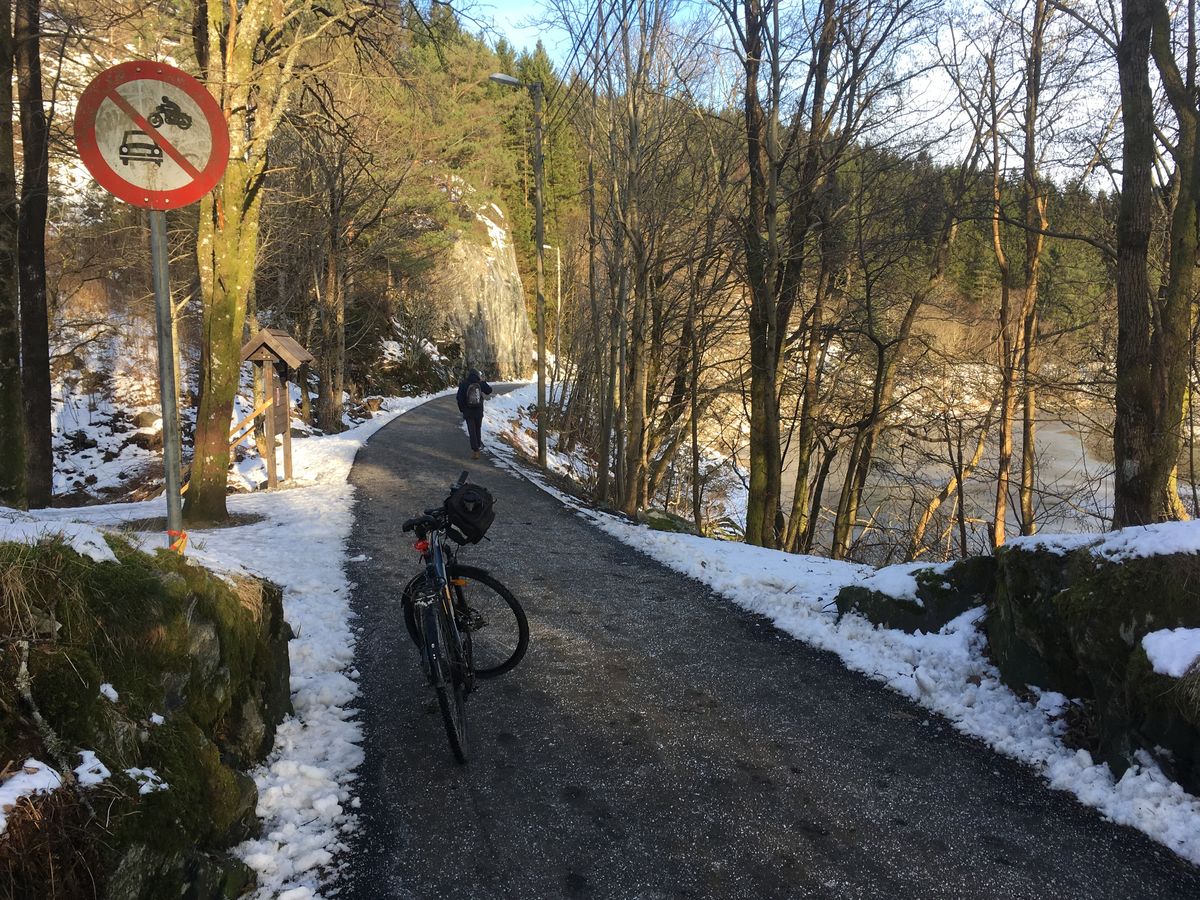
[12, 416]
[1153, 327]
[252, 57]
[31, 252]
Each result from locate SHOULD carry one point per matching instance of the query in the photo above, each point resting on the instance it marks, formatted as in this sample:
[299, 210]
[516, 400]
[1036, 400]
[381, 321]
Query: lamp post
[557, 307]
[535, 91]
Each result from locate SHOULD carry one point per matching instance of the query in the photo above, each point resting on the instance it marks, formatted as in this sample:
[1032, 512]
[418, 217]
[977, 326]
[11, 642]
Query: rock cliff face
[478, 290]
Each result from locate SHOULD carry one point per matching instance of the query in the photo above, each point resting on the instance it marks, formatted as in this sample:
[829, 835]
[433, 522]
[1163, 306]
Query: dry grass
[16, 600]
[26, 607]
[1187, 689]
[250, 594]
[47, 853]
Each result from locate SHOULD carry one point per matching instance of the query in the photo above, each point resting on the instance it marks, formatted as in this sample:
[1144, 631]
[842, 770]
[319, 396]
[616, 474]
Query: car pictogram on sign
[137, 146]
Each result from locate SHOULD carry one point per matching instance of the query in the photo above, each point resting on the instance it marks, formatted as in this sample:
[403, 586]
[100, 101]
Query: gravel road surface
[659, 742]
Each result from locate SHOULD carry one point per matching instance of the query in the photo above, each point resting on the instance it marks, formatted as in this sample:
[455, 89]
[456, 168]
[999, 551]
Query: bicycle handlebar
[420, 522]
[433, 518]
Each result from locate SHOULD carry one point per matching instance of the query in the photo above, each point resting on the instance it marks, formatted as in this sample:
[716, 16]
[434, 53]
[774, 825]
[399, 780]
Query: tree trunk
[818, 494]
[863, 452]
[694, 414]
[1141, 485]
[621, 383]
[31, 255]
[333, 348]
[1007, 344]
[252, 86]
[305, 399]
[634, 470]
[848, 500]
[1173, 311]
[1033, 202]
[604, 396]
[228, 224]
[805, 440]
[12, 414]
[761, 239]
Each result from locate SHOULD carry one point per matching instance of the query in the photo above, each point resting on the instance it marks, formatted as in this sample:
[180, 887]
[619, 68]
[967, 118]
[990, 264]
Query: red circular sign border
[110, 180]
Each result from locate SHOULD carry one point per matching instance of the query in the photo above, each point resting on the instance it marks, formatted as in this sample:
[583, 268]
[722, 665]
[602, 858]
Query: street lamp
[557, 307]
[535, 91]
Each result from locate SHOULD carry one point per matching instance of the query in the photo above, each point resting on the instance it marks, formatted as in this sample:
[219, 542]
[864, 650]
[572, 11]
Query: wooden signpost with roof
[276, 353]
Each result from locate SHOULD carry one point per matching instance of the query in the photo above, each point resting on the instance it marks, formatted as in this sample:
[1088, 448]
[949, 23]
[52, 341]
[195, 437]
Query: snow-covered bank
[298, 541]
[946, 672]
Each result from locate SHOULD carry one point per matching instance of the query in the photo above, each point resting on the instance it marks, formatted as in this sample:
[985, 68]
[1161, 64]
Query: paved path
[658, 742]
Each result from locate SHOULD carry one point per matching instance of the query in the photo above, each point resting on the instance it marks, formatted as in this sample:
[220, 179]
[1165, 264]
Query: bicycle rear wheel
[448, 675]
[494, 620]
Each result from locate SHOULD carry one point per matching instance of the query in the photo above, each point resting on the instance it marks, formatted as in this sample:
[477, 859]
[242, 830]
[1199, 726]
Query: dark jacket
[462, 394]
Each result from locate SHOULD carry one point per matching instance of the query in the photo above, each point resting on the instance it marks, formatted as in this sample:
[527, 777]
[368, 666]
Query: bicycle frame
[434, 557]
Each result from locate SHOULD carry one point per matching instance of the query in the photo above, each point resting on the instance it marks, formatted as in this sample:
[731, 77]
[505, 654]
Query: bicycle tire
[500, 642]
[448, 686]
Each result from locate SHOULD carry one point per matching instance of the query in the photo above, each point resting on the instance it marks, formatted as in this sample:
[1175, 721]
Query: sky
[514, 19]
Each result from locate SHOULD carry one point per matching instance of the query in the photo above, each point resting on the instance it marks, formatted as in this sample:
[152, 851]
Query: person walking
[471, 392]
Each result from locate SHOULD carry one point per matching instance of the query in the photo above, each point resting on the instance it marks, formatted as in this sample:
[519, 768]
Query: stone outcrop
[942, 593]
[1073, 622]
[151, 663]
[476, 287]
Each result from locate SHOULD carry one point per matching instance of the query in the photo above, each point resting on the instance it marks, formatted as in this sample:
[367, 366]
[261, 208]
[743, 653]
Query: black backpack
[474, 398]
[469, 511]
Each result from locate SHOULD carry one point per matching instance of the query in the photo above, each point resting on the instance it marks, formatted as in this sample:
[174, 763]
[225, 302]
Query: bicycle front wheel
[448, 669]
[492, 617]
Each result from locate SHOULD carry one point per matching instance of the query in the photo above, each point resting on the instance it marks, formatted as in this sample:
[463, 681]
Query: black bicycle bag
[470, 514]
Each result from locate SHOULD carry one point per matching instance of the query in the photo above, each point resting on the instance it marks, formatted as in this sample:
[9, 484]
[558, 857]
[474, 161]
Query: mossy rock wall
[207, 655]
[1074, 623]
[663, 520]
[944, 595]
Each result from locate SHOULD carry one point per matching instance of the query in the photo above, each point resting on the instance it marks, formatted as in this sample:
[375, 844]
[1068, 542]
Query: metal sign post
[156, 138]
[172, 439]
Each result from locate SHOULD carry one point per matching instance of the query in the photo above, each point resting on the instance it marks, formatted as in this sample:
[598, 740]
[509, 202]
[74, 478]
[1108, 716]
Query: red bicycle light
[421, 546]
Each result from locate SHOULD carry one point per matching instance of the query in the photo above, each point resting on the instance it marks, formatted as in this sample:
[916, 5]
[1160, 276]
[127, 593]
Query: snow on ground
[508, 415]
[33, 778]
[24, 528]
[1128, 543]
[306, 785]
[946, 672]
[90, 772]
[1172, 651]
[104, 384]
[900, 580]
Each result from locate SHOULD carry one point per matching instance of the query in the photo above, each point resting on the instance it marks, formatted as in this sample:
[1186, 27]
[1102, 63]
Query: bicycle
[465, 623]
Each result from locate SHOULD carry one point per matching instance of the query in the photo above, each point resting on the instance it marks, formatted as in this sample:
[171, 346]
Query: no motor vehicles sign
[152, 135]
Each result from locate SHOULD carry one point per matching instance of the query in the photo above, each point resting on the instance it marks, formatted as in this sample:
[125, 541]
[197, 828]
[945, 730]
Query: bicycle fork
[433, 642]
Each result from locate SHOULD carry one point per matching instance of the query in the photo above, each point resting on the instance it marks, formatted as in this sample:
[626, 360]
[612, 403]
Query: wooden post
[268, 370]
[286, 427]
